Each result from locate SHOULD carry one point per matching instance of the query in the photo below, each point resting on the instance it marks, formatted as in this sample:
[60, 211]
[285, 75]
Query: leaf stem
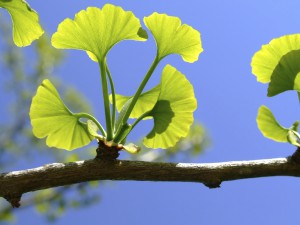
[102, 65]
[137, 95]
[113, 94]
[88, 116]
[140, 118]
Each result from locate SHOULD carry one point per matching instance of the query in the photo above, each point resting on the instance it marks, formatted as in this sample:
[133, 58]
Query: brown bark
[14, 184]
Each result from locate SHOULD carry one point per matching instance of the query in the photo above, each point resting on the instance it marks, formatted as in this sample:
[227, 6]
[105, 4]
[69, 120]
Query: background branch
[14, 184]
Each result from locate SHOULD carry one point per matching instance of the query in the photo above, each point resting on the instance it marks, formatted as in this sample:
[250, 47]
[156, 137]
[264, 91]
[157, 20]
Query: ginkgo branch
[16, 183]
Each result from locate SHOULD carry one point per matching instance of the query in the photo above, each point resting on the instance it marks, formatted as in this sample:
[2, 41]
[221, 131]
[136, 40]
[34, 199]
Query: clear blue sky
[228, 99]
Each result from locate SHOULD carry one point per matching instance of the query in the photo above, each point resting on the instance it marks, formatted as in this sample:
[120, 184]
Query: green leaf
[295, 126]
[173, 112]
[286, 74]
[173, 38]
[145, 102]
[97, 31]
[93, 130]
[273, 59]
[52, 119]
[293, 138]
[132, 148]
[26, 27]
[269, 126]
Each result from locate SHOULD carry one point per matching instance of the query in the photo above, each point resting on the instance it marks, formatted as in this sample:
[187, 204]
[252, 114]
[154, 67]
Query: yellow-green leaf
[145, 102]
[26, 27]
[286, 74]
[173, 112]
[93, 130]
[269, 126]
[293, 138]
[174, 38]
[132, 148]
[52, 119]
[97, 30]
[269, 59]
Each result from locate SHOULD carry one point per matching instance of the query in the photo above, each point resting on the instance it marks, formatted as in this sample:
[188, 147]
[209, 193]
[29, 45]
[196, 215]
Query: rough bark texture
[14, 184]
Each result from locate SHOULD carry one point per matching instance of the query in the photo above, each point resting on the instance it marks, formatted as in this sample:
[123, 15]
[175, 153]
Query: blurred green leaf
[6, 216]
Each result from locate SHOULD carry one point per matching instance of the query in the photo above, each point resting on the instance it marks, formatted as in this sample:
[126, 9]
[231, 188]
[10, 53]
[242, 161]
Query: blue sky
[228, 99]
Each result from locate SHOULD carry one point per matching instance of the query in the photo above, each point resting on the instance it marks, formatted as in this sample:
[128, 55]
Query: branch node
[14, 199]
[295, 158]
[105, 152]
[213, 184]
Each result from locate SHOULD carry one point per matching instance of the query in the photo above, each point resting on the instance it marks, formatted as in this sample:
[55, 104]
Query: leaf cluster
[170, 104]
[277, 64]
[22, 85]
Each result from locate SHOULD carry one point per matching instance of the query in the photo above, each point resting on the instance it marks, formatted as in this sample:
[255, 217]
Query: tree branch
[14, 184]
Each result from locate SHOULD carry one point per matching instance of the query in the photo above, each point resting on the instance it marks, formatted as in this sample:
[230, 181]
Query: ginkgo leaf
[145, 102]
[293, 138]
[174, 38]
[52, 119]
[26, 27]
[278, 60]
[173, 112]
[286, 74]
[93, 130]
[269, 126]
[97, 30]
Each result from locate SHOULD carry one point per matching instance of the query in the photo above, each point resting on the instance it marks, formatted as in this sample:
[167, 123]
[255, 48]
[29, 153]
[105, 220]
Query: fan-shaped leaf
[144, 104]
[269, 126]
[173, 38]
[286, 74]
[50, 117]
[26, 27]
[97, 31]
[278, 63]
[173, 112]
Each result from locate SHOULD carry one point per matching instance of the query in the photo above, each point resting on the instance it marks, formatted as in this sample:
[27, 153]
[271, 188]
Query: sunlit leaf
[293, 138]
[173, 112]
[96, 30]
[144, 104]
[93, 130]
[286, 74]
[269, 126]
[278, 63]
[174, 38]
[26, 27]
[52, 119]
